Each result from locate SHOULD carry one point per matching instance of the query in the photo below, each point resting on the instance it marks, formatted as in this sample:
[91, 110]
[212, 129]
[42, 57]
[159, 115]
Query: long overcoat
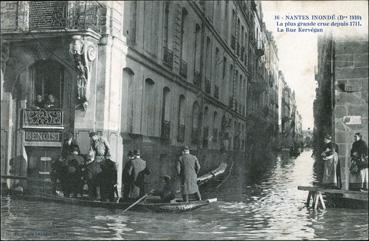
[188, 167]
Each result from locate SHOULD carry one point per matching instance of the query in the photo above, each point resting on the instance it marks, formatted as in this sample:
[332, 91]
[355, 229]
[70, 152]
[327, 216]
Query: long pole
[137, 202]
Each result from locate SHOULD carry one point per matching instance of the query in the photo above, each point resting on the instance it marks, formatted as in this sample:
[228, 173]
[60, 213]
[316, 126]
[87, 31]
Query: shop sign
[42, 138]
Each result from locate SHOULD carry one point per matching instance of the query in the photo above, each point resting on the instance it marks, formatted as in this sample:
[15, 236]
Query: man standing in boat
[126, 178]
[188, 167]
[137, 172]
[99, 152]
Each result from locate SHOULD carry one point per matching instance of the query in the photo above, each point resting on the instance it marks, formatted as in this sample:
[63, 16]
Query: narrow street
[269, 207]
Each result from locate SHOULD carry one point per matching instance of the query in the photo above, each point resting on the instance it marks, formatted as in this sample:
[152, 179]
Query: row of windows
[211, 128]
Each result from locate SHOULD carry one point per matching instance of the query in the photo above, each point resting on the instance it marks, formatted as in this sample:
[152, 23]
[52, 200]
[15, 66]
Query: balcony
[216, 91]
[165, 130]
[207, 86]
[181, 133]
[52, 15]
[233, 42]
[168, 57]
[195, 136]
[197, 79]
[43, 119]
[183, 68]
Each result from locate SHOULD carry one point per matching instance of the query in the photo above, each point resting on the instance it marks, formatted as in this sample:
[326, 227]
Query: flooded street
[266, 207]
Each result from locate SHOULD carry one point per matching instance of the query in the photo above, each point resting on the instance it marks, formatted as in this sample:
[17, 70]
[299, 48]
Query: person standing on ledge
[330, 158]
[359, 153]
[188, 167]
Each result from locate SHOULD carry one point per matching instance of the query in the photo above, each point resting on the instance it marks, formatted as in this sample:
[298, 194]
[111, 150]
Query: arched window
[197, 54]
[166, 24]
[149, 108]
[215, 127]
[128, 105]
[181, 119]
[206, 127]
[195, 123]
[165, 116]
[183, 24]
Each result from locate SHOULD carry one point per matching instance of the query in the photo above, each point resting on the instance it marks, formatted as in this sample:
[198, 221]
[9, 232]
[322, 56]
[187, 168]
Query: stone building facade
[341, 105]
[148, 75]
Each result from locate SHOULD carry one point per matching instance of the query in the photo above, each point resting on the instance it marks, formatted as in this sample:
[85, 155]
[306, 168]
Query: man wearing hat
[99, 152]
[188, 167]
[167, 193]
[69, 145]
[126, 178]
[359, 155]
[137, 173]
[330, 158]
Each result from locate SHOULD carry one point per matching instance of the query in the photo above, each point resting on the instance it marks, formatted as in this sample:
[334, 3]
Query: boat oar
[138, 201]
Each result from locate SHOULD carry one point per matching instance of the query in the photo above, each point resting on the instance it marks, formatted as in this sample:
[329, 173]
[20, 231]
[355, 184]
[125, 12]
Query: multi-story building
[149, 75]
[341, 104]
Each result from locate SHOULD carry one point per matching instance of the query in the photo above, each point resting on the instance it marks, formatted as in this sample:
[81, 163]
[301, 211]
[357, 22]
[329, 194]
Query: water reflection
[268, 206]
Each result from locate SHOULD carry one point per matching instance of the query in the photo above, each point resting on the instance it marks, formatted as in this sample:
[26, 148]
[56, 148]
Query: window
[224, 67]
[151, 22]
[195, 123]
[165, 114]
[215, 127]
[127, 100]
[183, 21]
[207, 58]
[197, 44]
[166, 23]
[181, 119]
[150, 105]
[48, 79]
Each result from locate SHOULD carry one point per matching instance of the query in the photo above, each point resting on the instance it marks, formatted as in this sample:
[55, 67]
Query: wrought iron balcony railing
[207, 86]
[165, 130]
[181, 133]
[197, 79]
[52, 15]
[168, 57]
[183, 68]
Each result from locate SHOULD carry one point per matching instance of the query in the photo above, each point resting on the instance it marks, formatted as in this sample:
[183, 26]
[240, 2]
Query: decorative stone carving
[83, 52]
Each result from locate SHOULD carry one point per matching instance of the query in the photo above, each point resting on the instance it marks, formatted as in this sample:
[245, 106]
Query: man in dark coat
[75, 163]
[126, 178]
[108, 180]
[68, 145]
[359, 153]
[167, 192]
[137, 173]
[188, 167]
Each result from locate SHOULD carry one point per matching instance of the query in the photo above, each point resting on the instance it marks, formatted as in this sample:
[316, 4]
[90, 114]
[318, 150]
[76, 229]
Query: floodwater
[250, 207]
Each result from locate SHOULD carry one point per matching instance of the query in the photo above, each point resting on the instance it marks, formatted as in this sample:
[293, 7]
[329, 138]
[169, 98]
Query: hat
[69, 135]
[186, 148]
[329, 137]
[130, 153]
[166, 177]
[136, 152]
[92, 133]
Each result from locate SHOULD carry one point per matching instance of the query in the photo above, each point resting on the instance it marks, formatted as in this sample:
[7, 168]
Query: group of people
[49, 103]
[75, 172]
[95, 170]
[358, 167]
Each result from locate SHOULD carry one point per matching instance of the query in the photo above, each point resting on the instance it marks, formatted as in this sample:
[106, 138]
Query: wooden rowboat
[145, 206]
